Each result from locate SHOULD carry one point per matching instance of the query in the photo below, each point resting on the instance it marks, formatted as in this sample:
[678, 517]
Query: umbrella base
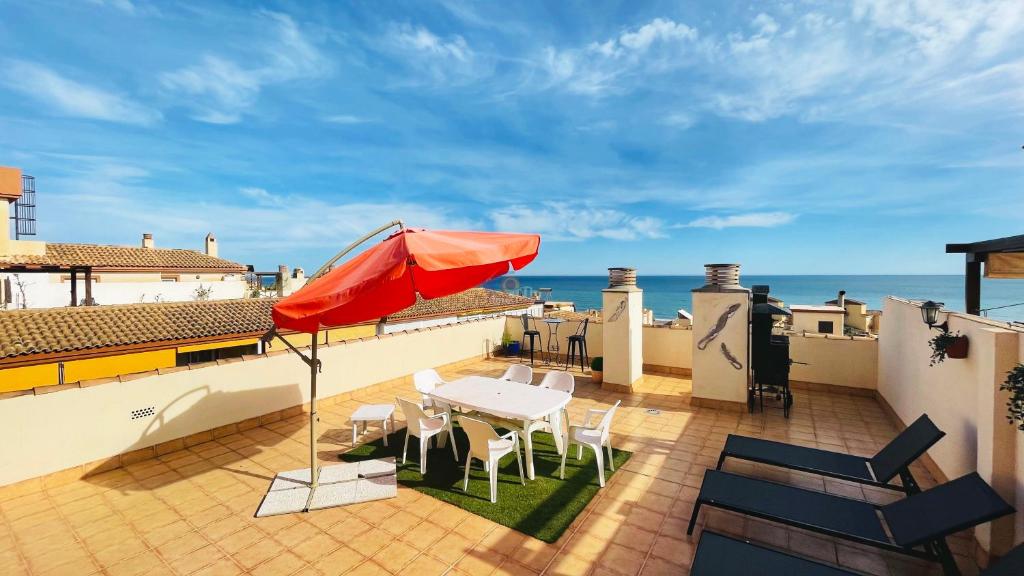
[338, 485]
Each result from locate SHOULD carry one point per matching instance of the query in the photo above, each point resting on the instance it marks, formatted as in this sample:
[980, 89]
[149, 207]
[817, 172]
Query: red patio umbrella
[386, 279]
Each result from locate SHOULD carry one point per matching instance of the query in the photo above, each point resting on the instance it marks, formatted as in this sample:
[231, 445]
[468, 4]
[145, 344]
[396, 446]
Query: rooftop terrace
[190, 511]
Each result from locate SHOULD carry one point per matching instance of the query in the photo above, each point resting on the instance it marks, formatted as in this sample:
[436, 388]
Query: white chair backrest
[557, 380]
[413, 415]
[426, 380]
[605, 425]
[518, 373]
[479, 434]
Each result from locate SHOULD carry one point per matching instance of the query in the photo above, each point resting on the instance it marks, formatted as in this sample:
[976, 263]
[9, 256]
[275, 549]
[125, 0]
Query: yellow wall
[27, 377]
[805, 321]
[108, 366]
[214, 345]
[351, 332]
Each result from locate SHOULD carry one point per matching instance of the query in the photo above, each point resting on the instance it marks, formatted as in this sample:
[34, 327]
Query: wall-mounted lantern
[930, 314]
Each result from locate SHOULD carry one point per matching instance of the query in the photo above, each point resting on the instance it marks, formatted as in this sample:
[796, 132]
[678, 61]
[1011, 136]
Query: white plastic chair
[425, 381]
[563, 382]
[557, 380]
[594, 437]
[487, 446]
[518, 373]
[424, 427]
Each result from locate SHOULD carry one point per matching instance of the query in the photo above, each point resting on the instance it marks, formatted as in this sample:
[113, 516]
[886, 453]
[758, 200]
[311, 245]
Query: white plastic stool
[373, 413]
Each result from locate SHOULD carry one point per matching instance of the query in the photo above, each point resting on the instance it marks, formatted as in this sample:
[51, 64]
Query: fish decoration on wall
[718, 327]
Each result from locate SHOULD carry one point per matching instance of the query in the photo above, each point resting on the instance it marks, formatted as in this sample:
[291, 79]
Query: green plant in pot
[597, 369]
[510, 346]
[947, 344]
[1014, 383]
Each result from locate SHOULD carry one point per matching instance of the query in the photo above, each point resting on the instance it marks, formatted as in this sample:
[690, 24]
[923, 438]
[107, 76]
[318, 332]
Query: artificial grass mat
[544, 508]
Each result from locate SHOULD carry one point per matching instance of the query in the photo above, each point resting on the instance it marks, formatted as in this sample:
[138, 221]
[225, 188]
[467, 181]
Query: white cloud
[262, 222]
[751, 220]
[221, 90]
[565, 221]
[442, 60]
[679, 120]
[261, 196]
[420, 39]
[71, 98]
[345, 119]
[839, 62]
[658, 29]
[125, 6]
[600, 66]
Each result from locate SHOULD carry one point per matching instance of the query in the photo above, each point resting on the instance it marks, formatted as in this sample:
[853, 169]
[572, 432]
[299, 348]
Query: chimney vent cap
[621, 277]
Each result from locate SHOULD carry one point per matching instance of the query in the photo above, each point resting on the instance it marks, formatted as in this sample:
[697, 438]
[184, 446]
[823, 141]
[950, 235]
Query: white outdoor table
[373, 413]
[524, 403]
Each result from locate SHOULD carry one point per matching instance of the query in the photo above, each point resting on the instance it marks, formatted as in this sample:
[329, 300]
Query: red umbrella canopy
[387, 277]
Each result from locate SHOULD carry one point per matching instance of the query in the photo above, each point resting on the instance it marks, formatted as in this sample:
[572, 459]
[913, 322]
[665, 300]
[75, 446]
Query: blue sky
[794, 137]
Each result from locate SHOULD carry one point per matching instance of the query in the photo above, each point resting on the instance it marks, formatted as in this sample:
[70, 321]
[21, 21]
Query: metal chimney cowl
[721, 278]
[621, 277]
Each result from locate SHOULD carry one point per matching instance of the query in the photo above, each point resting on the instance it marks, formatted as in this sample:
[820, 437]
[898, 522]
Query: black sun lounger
[719, 555]
[891, 461]
[919, 520]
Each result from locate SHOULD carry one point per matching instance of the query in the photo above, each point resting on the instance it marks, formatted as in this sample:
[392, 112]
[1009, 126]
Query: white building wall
[46, 291]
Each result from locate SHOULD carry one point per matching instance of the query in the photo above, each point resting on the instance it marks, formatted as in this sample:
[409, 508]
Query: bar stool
[578, 342]
[532, 334]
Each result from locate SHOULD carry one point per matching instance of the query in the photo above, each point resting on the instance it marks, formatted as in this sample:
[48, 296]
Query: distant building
[39, 274]
[818, 319]
[858, 316]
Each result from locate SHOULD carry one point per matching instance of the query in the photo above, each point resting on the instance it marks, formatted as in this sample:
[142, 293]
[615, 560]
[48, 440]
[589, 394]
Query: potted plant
[597, 369]
[948, 344]
[510, 346]
[1015, 385]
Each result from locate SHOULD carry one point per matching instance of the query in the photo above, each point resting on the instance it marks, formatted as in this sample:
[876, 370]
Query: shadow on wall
[200, 410]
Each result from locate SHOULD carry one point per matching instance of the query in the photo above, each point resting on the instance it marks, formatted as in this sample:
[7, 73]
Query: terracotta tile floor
[191, 512]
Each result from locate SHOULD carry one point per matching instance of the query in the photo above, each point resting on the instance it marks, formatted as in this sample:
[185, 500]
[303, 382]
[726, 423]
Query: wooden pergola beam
[975, 254]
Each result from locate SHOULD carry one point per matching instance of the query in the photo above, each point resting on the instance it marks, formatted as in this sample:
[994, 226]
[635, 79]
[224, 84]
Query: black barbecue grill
[769, 355]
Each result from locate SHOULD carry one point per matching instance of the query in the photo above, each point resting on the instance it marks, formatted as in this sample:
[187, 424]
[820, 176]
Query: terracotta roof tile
[75, 329]
[101, 257]
[474, 300]
[61, 330]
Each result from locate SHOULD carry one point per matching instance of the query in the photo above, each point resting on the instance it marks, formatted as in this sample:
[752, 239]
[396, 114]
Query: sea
[666, 294]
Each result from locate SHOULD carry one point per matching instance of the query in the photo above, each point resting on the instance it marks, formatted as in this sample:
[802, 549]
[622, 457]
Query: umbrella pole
[313, 468]
[314, 472]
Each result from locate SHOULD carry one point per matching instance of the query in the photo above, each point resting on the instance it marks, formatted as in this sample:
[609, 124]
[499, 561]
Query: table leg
[384, 430]
[555, 419]
[354, 435]
[442, 439]
[528, 443]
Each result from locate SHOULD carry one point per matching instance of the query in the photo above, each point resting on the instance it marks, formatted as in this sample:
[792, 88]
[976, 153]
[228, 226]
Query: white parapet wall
[846, 361]
[52, 432]
[666, 347]
[963, 398]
